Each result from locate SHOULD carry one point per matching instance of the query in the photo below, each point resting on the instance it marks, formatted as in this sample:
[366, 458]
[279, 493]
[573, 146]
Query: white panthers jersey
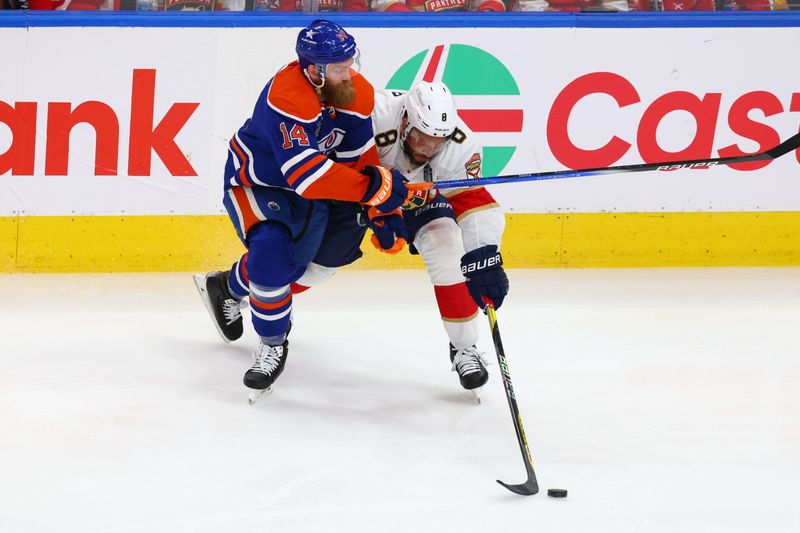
[459, 159]
[477, 213]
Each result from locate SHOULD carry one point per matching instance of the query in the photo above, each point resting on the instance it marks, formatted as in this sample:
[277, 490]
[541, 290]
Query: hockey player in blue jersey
[303, 163]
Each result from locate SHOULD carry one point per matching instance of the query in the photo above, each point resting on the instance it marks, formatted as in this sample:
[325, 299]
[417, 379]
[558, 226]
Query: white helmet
[431, 109]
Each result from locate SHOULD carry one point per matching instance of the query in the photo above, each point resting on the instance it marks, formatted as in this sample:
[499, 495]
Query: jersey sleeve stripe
[236, 208]
[305, 167]
[243, 159]
[305, 154]
[251, 171]
[237, 164]
[354, 154]
[314, 177]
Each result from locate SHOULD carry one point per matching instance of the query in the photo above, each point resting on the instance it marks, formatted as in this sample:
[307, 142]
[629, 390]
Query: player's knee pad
[270, 255]
[440, 245]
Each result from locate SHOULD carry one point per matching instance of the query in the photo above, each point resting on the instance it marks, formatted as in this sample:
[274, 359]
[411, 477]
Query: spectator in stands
[437, 6]
[755, 5]
[571, 5]
[322, 7]
[72, 5]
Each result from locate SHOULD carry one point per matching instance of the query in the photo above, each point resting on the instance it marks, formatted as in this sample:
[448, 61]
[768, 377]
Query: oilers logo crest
[331, 141]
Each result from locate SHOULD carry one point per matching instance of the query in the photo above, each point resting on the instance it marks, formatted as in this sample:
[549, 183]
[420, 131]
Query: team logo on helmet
[324, 42]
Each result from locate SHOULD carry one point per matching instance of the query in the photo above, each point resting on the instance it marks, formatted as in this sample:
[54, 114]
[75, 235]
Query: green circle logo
[486, 93]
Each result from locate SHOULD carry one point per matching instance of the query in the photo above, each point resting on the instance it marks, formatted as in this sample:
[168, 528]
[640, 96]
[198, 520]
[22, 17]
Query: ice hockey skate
[225, 310]
[268, 362]
[471, 367]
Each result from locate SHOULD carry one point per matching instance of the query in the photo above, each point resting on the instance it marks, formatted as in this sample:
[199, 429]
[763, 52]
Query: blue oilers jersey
[294, 142]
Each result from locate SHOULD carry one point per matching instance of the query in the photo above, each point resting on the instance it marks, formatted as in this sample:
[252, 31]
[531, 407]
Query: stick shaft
[773, 153]
[510, 396]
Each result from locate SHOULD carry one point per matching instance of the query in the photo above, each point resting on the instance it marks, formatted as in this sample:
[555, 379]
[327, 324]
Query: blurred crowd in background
[314, 6]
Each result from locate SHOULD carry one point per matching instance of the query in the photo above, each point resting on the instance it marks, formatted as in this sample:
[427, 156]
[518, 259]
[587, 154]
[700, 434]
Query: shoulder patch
[292, 95]
[473, 166]
[365, 97]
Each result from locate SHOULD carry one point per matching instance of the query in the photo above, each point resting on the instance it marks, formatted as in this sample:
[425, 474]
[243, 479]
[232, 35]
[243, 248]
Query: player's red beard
[339, 95]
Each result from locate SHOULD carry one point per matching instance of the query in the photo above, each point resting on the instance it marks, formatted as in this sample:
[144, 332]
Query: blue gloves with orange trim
[389, 232]
[386, 193]
[486, 279]
[387, 189]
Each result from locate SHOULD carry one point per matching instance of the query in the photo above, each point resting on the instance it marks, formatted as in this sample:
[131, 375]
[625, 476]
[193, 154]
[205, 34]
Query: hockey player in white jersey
[456, 231]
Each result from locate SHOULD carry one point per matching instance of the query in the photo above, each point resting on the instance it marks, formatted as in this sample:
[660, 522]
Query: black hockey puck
[557, 493]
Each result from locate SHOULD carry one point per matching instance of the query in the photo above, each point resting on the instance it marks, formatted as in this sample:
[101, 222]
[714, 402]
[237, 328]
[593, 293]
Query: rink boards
[114, 132]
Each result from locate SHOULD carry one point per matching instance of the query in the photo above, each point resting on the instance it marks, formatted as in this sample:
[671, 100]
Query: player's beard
[414, 157]
[340, 95]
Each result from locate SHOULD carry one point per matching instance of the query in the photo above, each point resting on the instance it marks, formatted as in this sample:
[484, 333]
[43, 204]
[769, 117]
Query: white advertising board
[164, 101]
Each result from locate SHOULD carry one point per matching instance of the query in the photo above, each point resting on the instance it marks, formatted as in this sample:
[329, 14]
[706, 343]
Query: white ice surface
[664, 400]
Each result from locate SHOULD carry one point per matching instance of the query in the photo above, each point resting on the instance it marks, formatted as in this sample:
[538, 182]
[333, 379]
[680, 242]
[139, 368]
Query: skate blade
[476, 393]
[255, 394]
[200, 283]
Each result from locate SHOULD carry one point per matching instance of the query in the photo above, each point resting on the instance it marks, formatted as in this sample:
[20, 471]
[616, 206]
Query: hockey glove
[388, 231]
[387, 189]
[486, 279]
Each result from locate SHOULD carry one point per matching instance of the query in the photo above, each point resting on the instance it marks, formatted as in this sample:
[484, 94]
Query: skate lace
[267, 358]
[468, 361]
[232, 310]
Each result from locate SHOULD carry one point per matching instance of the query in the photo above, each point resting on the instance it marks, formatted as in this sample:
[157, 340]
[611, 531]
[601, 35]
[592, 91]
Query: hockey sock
[459, 312]
[271, 309]
[238, 281]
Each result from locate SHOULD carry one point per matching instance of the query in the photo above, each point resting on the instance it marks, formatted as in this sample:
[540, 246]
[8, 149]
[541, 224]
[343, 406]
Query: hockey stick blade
[792, 143]
[529, 488]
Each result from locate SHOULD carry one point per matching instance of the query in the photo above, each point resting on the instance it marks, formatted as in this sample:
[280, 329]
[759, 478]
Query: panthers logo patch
[417, 199]
[473, 166]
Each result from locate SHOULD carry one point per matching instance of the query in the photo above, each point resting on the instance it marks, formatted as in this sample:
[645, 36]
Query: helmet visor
[343, 70]
[425, 145]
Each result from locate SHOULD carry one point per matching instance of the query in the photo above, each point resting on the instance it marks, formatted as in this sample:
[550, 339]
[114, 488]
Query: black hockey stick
[773, 153]
[531, 486]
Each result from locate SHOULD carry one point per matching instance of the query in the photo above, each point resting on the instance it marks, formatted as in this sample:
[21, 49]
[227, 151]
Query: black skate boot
[470, 365]
[268, 363]
[225, 310]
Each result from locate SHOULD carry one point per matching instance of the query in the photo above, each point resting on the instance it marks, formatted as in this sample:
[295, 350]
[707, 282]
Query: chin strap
[321, 69]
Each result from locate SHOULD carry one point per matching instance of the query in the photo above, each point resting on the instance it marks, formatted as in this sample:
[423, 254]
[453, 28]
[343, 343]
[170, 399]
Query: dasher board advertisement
[136, 120]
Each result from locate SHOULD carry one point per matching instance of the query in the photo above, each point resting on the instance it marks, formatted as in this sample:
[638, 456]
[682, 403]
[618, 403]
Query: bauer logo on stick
[705, 164]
